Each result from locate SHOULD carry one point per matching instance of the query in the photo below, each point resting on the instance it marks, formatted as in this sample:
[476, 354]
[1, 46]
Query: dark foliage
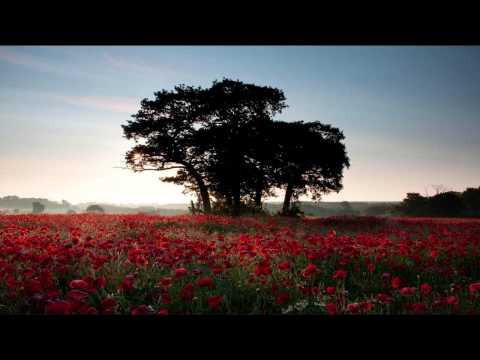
[38, 207]
[226, 147]
[309, 159]
[443, 204]
[95, 209]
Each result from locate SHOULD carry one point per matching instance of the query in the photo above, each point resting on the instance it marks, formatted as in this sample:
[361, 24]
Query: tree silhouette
[95, 209]
[310, 159]
[447, 203]
[222, 143]
[471, 201]
[37, 207]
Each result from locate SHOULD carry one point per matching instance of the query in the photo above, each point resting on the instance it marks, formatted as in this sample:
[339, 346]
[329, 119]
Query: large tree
[223, 143]
[310, 159]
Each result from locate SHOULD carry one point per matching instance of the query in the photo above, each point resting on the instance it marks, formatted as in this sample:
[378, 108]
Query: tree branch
[145, 169]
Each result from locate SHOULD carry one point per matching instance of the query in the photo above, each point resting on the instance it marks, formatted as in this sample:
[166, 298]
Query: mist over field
[24, 205]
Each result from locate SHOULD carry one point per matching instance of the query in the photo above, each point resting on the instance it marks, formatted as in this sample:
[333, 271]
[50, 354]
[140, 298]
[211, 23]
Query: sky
[410, 115]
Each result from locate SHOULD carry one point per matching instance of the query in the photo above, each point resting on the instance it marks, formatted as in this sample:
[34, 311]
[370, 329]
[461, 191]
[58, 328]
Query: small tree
[310, 159]
[471, 201]
[38, 207]
[414, 205]
[94, 209]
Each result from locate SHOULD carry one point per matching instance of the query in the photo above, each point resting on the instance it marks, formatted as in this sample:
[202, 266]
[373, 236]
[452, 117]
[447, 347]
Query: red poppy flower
[263, 269]
[407, 291]
[214, 301]
[384, 298]
[331, 290]
[284, 265]
[108, 303]
[206, 282]
[127, 284]
[163, 312]
[474, 288]
[89, 311]
[366, 306]
[100, 282]
[166, 298]
[142, 310]
[60, 307]
[419, 308]
[77, 295]
[425, 289]
[281, 298]
[181, 272]
[165, 281]
[354, 308]
[396, 281]
[331, 309]
[79, 284]
[339, 274]
[309, 271]
[452, 300]
[217, 270]
[186, 293]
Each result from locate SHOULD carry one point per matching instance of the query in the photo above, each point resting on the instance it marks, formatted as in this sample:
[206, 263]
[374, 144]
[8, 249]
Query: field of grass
[145, 264]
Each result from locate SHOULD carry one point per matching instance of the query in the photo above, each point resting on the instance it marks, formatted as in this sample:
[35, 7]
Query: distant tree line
[226, 148]
[16, 202]
[443, 204]
[14, 205]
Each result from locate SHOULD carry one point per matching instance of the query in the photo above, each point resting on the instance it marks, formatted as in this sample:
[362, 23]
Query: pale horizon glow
[410, 114]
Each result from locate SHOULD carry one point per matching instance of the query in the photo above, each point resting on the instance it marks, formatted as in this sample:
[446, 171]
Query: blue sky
[410, 114]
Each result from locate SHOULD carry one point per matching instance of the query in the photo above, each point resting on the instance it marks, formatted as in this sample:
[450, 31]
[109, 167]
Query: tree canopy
[442, 204]
[224, 145]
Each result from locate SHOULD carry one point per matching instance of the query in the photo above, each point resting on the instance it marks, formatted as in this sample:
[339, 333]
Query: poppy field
[201, 264]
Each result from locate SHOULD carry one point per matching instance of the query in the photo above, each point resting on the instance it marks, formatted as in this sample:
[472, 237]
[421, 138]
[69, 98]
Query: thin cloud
[115, 104]
[137, 67]
[17, 58]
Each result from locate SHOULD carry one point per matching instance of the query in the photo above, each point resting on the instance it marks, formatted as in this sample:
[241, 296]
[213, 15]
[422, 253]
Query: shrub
[95, 209]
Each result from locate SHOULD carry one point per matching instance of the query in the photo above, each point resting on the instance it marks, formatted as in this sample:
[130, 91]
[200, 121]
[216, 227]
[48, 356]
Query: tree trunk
[207, 207]
[288, 197]
[258, 193]
[236, 201]
[258, 198]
